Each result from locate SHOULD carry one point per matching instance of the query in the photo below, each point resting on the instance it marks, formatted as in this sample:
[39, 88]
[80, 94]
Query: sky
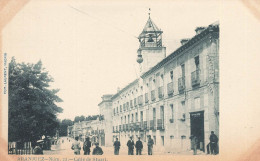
[90, 48]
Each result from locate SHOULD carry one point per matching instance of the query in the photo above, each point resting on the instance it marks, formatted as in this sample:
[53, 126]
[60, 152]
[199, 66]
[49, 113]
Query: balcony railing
[160, 92]
[195, 78]
[160, 124]
[153, 95]
[170, 89]
[181, 84]
[137, 126]
[140, 100]
[152, 124]
[146, 97]
[143, 125]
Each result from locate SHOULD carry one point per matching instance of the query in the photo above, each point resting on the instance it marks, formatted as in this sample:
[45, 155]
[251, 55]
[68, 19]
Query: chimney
[199, 30]
[183, 41]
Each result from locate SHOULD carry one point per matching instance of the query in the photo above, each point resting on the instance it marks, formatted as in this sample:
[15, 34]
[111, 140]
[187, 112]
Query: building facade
[176, 96]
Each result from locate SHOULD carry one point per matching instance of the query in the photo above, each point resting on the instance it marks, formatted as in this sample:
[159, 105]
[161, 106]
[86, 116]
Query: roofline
[211, 28]
[124, 89]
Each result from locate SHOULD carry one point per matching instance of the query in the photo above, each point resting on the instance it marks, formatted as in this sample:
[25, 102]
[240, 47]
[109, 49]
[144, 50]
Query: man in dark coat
[116, 147]
[131, 146]
[86, 146]
[150, 145]
[97, 150]
[139, 147]
[213, 143]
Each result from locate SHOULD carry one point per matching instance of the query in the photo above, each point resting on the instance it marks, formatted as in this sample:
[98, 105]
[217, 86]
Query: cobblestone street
[64, 148]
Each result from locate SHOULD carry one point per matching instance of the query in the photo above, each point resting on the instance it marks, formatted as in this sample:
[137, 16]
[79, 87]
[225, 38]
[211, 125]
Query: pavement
[63, 147]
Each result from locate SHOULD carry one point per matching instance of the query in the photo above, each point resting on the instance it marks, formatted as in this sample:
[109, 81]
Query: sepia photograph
[112, 78]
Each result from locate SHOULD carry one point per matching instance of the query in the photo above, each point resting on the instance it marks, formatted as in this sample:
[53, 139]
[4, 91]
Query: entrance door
[197, 127]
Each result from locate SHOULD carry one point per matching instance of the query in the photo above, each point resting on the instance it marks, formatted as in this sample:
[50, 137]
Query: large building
[175, 97]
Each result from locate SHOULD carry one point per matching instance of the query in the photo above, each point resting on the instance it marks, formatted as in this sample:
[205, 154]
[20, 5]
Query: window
[117, 109]
[132, 120]
[171, 75]
[172, 114]
[197, 62]
[183, 70]
[120, 108]
[136, 117]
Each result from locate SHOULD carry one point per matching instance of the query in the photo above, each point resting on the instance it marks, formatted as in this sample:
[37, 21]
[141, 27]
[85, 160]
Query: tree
[64, 125]
[79, 118]
[32, 105]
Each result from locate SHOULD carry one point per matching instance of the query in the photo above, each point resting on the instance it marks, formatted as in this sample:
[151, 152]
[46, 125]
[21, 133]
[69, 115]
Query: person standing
[213, 143]
[116, 147]
[76, 146]
[194, 144]
[86, 146]
[130, 145]
[97, 150]
[150, 145]
[139, 147]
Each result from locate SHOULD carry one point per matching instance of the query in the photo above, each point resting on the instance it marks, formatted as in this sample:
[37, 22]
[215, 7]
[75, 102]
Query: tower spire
[149, 12]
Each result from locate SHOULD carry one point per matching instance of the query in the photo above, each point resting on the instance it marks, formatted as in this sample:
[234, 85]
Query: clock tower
[151, 50]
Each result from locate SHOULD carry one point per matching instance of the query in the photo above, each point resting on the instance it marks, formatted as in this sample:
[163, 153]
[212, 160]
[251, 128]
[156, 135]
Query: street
[63, 147]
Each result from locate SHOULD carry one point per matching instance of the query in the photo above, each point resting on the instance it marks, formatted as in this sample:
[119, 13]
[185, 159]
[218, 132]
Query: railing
[152, 124]
[170, 89]
[160, 124]
[137, 126]
[181, 84]
[146, 98]
[140, 100]
[195, 78]
[131, 103]
[153, 95]
[20, 149]
[160, 92]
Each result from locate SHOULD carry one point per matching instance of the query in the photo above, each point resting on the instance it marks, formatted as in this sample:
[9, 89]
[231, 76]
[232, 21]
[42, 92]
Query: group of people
[86, 147]
[212, 147]
[131, 145]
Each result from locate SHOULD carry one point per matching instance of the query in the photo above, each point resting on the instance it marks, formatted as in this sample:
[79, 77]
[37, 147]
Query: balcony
[137, 126]
[195, 78]
[146, 98]
[140, 100]
[152, 124]
[160, 92]
[170, 89]
[181, 84]
[153, 95]
[160, 124]
[143, 125]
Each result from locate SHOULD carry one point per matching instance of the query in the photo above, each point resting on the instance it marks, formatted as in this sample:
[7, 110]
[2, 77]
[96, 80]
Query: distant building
[176, 96]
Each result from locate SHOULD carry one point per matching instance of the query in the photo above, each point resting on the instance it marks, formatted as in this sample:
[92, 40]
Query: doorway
[197, 128]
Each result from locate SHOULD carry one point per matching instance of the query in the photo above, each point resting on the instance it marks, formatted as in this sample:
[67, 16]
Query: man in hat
[150, 145]
[194, 144]
[116, 147]
[131, 146]
[38, 148]
[213, 143]
[97, 150]
[86, 146]
[76, 146]
[139, 146]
